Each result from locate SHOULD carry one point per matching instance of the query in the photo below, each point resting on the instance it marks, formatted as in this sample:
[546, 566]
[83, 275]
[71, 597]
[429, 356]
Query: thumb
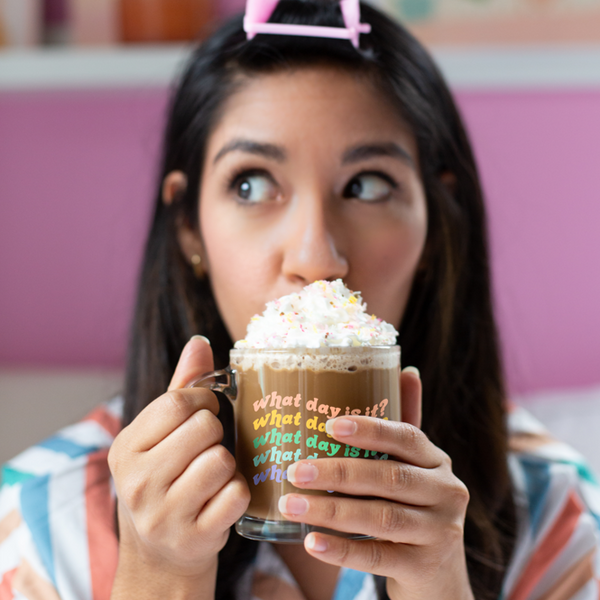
[195, 360]
[410, 394]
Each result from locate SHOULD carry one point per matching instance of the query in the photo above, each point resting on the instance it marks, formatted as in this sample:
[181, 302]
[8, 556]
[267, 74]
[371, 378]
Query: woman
[288, 160]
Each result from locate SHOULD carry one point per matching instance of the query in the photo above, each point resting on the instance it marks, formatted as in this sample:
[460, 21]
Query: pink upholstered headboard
[76, 177]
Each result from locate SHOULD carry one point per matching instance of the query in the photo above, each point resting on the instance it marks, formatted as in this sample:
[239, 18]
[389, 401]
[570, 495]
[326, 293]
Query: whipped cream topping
[323, 314]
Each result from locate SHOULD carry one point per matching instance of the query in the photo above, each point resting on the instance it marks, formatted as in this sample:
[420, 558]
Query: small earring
[196, 261]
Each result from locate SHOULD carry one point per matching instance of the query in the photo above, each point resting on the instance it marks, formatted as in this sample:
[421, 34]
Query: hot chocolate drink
[285, 398]
[310, 357]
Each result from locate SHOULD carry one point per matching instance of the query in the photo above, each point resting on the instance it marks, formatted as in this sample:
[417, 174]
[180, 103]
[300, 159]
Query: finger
[403, 441]
[410, 390]
[204, 477]
[163, 416]
[372, 556]
[387, 479]
[195, 360]
[173, 455]
[390, 521]
[227, 505]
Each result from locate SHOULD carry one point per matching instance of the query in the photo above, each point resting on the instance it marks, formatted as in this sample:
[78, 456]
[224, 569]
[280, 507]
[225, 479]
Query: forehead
[318, 105]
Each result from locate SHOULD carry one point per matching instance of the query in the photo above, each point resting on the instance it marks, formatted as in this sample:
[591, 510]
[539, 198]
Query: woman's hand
[178, 489]
[417, 511]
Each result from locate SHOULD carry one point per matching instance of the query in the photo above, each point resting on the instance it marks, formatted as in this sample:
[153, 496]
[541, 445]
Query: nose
[312, 243]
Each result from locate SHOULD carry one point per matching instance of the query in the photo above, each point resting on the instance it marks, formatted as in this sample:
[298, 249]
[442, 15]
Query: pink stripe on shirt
[6, 588]
[109, 422]
[550, 547]
[102, 540]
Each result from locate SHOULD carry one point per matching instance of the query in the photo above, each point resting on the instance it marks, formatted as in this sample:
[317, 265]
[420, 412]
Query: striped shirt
[58, 542]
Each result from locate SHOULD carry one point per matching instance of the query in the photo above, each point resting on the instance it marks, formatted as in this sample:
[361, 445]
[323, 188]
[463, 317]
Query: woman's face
[309, 175]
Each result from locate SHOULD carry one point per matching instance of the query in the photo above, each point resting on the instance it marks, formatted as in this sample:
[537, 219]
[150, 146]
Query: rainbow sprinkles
[324, 313]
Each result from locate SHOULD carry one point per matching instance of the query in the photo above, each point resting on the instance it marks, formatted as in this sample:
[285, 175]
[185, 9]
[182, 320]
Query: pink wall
[77, 172]
[539, 155]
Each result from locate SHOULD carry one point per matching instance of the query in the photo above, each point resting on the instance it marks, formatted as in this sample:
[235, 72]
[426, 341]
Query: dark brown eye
[369, 187]
[256, 188]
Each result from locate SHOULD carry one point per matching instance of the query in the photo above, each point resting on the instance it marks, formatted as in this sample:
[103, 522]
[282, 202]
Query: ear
[189, 242]
[192, 249]
[174, 185]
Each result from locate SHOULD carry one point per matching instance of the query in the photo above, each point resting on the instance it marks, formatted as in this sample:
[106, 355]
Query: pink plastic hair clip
[259, 11]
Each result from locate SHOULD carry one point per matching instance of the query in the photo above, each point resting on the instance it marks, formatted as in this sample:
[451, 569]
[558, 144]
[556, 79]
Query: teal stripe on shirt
[34, 509]
[349, 584]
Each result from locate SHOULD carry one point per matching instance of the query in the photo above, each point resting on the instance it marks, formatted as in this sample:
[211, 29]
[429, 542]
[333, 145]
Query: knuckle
[391, 519]
[204, 398]
[460, 493]
[187, 400]
[133, 492]
[209, 424]
[222, 455]
[332, 510]
[240, 492]
[177, 401]
[113, 458]
[455, 531]
[446, 460]
[126, 468]
[222, 540]
[118, 453]
[341, 473]
[398, 478]
[445, 540]
[379, 428]
[344, 553]
[412, 436]
[243, 493]
[374, 557]
[148, 527]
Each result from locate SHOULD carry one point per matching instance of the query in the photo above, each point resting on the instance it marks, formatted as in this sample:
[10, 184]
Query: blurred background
[83, 90]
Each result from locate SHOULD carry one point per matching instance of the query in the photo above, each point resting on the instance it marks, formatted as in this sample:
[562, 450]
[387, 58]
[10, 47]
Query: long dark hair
[448, 329]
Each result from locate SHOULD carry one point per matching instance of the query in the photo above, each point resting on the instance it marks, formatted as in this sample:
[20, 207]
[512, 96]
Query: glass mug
[282, 400]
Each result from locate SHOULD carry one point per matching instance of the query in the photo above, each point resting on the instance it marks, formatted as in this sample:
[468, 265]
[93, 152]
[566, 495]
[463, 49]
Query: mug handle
[209, 380]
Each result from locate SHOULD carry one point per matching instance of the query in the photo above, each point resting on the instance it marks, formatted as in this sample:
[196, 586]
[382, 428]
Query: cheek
[238, 270]
[386, 266]
[396, 252]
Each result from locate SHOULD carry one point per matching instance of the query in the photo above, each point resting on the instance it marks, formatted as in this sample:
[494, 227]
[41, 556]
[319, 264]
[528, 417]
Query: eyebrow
[353, 155]
[261, 149]
[366, 151]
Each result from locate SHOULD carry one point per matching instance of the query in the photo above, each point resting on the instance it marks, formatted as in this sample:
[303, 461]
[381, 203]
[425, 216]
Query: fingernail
[201, 337]
[292, 505]
[302, 473]
[314, 543]
[340, 427]
[413, 370]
